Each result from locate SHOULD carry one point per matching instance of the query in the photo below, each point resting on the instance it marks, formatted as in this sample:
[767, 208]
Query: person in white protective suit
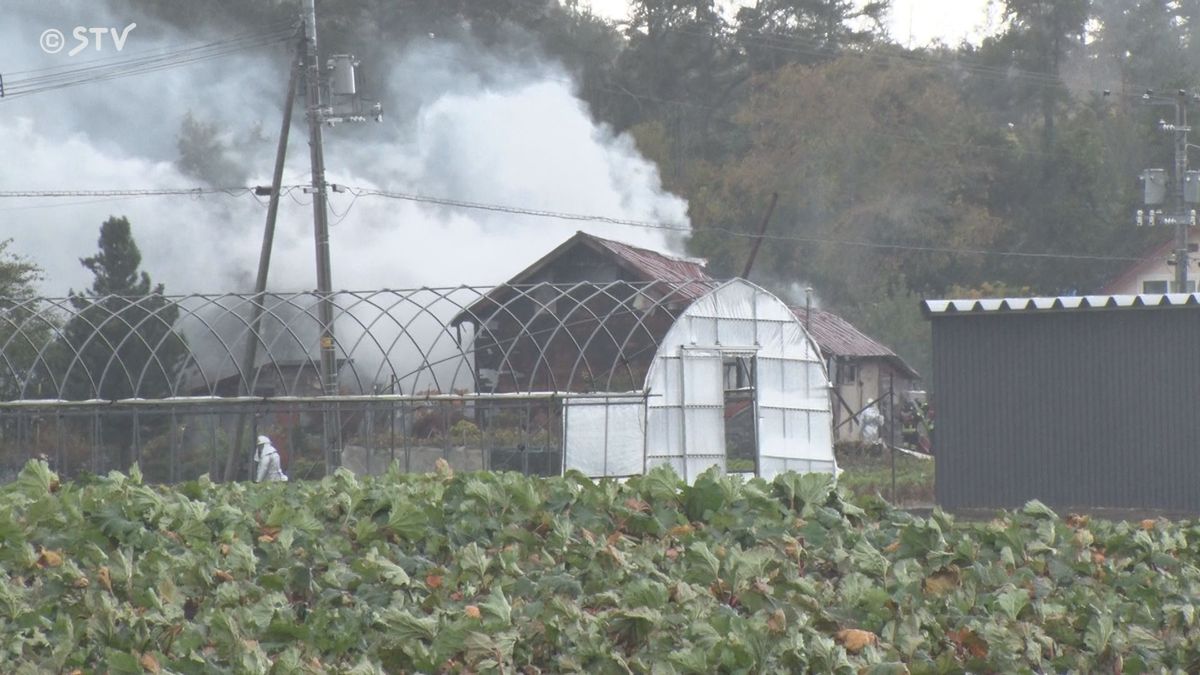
[872, 421]
[267, 459]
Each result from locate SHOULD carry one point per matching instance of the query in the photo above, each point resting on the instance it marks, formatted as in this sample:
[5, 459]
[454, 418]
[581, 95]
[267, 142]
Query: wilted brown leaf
[442, 468]
[1077, 521]
[48, 558]
[1148, 524]
[225, 549]
[635, 504]
[942, 581]
[472, 612]
[105, 578]
[892, 547]
[222, 576]
[855, 640]
[777, 622]
[434, 581]
[81, 582]
[150, 664]
[792, 549]
[968, 641]
[682, 530]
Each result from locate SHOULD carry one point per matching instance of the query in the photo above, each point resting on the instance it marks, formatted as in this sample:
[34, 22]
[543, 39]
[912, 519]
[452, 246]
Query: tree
[777, 32]
[898, 161]
[25, 326]
[1041, 35]
[205, 154]
[121, 341]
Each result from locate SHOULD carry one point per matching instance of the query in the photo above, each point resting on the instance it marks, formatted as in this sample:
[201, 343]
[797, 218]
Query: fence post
[892, 429]
[173, 469]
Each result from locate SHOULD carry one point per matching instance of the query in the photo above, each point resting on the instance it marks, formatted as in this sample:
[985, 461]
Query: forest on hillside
[1006, 166]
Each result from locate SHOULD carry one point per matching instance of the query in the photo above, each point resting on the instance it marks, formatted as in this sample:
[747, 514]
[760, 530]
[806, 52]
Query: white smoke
[460, 123]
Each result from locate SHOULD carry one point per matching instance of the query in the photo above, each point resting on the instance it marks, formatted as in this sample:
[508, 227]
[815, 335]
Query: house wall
[530, 346]
[1076, 408]
[874, 376]
[1158, 271]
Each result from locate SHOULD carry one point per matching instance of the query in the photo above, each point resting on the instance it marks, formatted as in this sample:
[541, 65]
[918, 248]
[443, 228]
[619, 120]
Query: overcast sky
[924, 20]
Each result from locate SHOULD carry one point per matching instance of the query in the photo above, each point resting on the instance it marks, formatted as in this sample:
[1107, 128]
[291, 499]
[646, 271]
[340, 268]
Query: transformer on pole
[344, 105]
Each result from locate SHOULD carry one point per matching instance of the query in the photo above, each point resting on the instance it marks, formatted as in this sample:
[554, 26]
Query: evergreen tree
[122, 338]
[23, 329]
[121, 341]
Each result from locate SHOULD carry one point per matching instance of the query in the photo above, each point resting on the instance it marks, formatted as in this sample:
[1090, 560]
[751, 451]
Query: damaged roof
[838, 337]
[655, 266]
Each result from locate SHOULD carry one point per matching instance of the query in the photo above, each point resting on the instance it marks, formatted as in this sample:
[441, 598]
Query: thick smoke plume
[460, 123]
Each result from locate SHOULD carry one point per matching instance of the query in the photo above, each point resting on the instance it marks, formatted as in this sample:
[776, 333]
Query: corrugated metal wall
[1082, 408]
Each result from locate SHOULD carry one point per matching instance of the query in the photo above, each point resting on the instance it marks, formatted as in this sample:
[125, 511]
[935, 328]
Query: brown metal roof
[655, 266]
[837, 337]
[684, 280]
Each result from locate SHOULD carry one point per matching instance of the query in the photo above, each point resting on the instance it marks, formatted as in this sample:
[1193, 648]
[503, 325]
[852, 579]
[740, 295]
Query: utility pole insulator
[1183, 188]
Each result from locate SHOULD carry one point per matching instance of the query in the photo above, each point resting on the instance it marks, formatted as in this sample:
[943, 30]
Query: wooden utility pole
[762, 230]
[264, 266]
[329, 384]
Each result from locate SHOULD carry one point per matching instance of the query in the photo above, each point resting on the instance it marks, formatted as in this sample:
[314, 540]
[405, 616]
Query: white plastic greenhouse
[737, 339]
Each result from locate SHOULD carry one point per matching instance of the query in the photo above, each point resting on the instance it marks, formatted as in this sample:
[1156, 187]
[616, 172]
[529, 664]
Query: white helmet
[263, 440]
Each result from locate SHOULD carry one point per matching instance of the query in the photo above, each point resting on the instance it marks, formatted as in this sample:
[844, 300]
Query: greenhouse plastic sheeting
[685, 414]
[603, 436]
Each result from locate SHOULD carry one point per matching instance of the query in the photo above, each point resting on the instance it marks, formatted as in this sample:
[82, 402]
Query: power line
[656, 225]
[60, 77]
[450, 202]
[152, 192]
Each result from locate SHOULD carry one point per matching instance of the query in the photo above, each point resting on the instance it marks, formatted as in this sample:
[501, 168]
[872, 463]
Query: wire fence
[180, 384]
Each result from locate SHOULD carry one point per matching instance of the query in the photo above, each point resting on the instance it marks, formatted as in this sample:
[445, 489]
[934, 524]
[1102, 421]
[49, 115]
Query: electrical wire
[449, 202]
[111, 68]
[655, 225]
[151, 192]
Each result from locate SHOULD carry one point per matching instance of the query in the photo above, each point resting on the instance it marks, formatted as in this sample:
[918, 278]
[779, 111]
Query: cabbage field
[467, 573]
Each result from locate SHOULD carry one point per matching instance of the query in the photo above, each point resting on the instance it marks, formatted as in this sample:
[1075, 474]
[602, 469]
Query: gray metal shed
[1088, 402]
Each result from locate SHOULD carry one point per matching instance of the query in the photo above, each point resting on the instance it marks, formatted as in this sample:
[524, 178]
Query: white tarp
[604, 436]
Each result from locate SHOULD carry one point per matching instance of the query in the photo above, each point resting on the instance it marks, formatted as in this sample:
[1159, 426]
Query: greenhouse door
[741, 415]
[702, 384]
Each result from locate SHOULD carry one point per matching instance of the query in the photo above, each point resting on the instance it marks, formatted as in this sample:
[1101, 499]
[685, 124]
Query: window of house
[847, 373]
[1154, 287]
[1190, 287]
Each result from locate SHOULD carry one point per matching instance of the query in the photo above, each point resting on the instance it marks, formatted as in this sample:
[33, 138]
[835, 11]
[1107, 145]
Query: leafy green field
[870, 474]
[497, 572]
